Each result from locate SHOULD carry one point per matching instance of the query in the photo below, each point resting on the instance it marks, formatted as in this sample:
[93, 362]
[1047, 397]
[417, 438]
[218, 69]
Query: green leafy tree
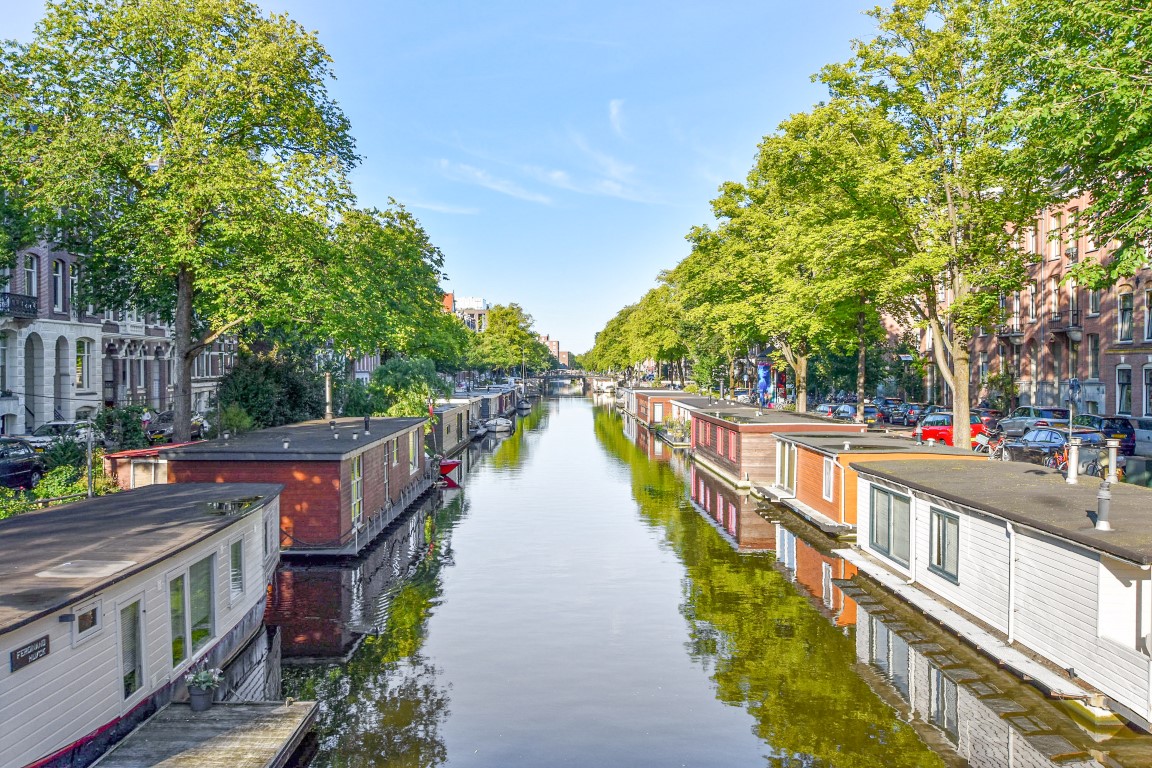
[272, 389]
[1081, 71]
[508, 342]
[195, 152]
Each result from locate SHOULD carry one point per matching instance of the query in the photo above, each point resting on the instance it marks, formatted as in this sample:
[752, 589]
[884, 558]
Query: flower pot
[200, 698]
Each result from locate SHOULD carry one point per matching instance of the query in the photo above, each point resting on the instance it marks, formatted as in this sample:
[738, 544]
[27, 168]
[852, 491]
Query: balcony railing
[18, 305]
[1010, 328]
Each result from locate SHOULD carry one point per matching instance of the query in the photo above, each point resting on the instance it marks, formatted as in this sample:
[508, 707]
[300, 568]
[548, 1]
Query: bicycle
[1058, 459]
[1099, 469]
[992, 443]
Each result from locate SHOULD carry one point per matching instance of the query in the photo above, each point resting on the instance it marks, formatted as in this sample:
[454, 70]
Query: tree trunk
[801, 369]
[182, 401]
[861, 361]
[961, 429]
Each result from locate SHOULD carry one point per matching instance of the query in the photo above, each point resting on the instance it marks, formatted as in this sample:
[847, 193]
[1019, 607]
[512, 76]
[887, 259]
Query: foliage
[400, 387]
[235, 420]
[1002, 390]
[1081, 71]
[63, 481]
[508, 342]
[194, 153]
[272, 389]
[205, 678]
[123, 426]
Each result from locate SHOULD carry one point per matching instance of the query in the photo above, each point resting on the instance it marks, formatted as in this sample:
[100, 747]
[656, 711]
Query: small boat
[447, 466]
[523, 405]
[499, 424]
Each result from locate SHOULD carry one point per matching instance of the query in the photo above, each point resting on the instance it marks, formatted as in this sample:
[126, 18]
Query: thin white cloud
[481, 178]
[443, 208]
[616, 116]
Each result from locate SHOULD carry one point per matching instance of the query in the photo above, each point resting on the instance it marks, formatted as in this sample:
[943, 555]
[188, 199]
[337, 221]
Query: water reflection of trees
[385, 705]
[767, 648]
[513, 450]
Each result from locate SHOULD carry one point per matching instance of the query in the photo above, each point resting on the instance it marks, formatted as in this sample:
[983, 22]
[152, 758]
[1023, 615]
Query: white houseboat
[105, 603]
[1009, 555]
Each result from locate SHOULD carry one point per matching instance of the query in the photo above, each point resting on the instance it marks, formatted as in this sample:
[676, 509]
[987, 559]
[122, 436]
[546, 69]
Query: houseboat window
[829, 475]
[357, 491]
[271, 539]
[945, 544]
[178, 613]
[890, 524]
[89, 619]
[395, 451]
[413, 451]
[200, 603]
[131, 655]
[787, 476]
[236, 567]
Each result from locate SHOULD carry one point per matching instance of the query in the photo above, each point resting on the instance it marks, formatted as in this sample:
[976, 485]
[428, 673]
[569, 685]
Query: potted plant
[202, 684]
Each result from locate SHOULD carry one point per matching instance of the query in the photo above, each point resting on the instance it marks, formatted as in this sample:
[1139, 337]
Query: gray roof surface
[1034, 496]
[833, 443]
[144, 526]
[307, 441]
[739, 413]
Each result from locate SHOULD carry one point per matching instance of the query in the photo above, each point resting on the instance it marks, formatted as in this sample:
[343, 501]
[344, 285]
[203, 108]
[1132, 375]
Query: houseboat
[449, 433]
[815, 479]
[732, 511]
[105, 603]
[1014, 558]
[653, 405]
[344, 480]
[739, 442]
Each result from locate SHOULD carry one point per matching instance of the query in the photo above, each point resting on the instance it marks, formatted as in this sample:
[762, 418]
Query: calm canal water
[587, 599]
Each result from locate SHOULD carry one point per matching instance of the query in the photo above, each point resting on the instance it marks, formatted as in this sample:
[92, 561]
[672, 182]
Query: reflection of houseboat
[648, 443]
[806, 555]
[1013, 546]
[739, 442]
[325, 608]
[815, 479]
[732, 510]
[105, 603]
[344, 481]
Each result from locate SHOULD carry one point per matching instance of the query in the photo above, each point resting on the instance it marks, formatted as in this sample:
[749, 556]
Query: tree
[1082, 72]
[508, 342]
[194, 152]
[656, 328]
[273, 388]
[929, 73]
[399, 387]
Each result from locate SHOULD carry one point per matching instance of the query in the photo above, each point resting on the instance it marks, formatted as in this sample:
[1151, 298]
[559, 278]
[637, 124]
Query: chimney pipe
[1103, 506]
[367, 425]
[287, 442]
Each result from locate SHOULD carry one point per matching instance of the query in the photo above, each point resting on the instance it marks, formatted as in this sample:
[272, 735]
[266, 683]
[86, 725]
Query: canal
[587, 598]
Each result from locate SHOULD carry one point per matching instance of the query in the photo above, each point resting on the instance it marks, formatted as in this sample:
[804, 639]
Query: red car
[938, 427]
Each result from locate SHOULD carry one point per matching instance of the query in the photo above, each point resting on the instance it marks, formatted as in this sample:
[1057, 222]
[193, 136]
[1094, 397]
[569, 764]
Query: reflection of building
[325, 609]
[733, 511]
[985, 726]
[806, 557]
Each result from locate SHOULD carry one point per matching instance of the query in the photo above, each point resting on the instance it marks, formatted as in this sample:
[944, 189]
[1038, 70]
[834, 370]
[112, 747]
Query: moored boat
[499, 424]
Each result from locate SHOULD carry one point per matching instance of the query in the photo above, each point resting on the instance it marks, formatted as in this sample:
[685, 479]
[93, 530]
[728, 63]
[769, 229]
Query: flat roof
[738, 413]
[833, 443]
[89, 545]
[307, 441]
[1033, 496]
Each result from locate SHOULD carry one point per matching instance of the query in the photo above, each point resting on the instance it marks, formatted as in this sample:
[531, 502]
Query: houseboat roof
[53, 558]
[835, 444]
[307, 441]
[450, 406]
[658, 392]
[736, 413]
[1033, 496]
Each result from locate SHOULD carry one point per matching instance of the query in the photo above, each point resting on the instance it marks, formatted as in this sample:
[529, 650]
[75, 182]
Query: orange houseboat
[344, 481]
[739, 442]
[814, 477]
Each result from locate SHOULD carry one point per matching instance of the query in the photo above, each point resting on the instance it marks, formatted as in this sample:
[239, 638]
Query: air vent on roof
[232, 506]
[86, 569]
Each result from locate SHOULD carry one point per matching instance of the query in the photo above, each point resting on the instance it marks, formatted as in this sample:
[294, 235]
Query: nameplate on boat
[26, 654]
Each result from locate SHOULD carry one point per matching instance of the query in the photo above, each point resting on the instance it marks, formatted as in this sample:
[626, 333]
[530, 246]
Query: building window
[1054, 296]
[413, 451]
[1148, 390]
[1032, 300]
[89, 621]
[1093, 302]
[57, 286]
[829, 478]
[1124, 318]
[944, 557]
[1124, 391]
[32, 275]
[1073, 359]
[131, 650]
[357, 491]
[891, 522]
[83, 364]
[73, 287]
[786, 465]
[1093, 355]
[236, 568]
[191, 608]
[1148, 315]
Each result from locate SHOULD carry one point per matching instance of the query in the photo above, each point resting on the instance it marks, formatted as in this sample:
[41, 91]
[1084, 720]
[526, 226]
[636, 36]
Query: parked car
[20, 466]
[848, 413]
[826, 409]
[1038, 444]
[909, 414]
[887, 405]
[938, 427]
[1118, 427]
[54, 431]
[989, 416]
[160, 429]
[1026, 417]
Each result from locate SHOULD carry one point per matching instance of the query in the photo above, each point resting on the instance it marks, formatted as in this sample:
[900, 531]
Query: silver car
[1026, 417]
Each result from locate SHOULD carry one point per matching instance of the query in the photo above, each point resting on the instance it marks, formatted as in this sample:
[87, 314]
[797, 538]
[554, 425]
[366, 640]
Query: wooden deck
[249, 735]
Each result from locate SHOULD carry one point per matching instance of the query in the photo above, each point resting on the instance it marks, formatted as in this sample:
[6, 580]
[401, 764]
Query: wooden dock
[247, 735]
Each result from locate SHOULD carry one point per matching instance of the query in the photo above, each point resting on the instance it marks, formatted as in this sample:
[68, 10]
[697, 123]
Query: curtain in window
[130, 648]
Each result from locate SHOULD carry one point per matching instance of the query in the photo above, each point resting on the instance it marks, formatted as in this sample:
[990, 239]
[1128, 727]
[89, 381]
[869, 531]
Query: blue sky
[559, 152]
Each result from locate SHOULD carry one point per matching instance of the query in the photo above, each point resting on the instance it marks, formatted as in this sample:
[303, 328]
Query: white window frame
[141, 645]
[57, 285]
[83, 635]
[32, 275]
[357, 488]
[829, 486]
[1120, 317]
[413, 447]
[236, 592]
[84, 364]
[1124, 369]
[190, 650]
[941, 522]
[886, 549]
